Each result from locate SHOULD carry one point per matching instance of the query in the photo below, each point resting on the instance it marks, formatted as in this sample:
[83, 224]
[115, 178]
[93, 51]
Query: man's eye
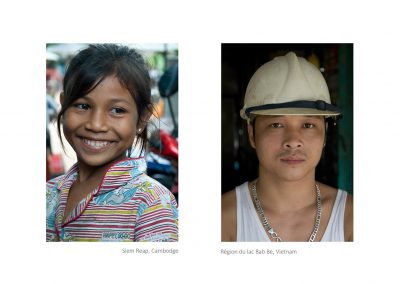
[309, 125]
[82, 106]
[276, 125]
[118, 110]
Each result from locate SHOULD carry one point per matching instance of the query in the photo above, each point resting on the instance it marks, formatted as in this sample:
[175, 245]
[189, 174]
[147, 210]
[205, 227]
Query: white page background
[199, 28]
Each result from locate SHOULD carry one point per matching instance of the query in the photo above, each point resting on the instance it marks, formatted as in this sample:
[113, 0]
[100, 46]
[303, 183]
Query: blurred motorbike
[162, 158]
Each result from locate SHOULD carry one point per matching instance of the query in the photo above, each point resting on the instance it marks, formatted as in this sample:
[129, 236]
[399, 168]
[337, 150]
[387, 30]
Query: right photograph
[287, 142]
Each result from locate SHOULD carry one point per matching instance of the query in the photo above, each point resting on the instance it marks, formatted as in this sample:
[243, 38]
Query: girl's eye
[118, 110]
[308, 125]
[276, 125]
[82, 106]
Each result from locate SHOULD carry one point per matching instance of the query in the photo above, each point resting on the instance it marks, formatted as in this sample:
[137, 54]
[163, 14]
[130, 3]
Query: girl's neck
[87, 172]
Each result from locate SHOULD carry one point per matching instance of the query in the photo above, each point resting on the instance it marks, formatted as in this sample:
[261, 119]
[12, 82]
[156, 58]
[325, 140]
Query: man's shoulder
[348, 219]
[329, 194]
[228, 216]
[228, 200]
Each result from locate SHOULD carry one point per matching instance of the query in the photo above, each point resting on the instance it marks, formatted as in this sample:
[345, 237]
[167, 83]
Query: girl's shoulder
[53, 193]
[56, 182]
[53, 184]
[151, 190]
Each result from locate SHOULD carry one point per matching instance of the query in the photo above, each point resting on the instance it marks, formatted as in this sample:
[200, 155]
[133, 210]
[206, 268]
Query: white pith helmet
[288, 85]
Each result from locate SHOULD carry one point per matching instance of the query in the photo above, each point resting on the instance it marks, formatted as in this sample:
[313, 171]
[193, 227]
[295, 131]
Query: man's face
[288, 147]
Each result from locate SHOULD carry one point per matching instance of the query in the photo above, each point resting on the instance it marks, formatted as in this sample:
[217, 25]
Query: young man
[287, 105]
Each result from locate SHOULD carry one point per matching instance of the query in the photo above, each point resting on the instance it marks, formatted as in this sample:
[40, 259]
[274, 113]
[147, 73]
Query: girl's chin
[99, 162]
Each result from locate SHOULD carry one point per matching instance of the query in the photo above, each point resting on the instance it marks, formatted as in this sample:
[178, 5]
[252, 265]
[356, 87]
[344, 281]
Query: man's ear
[143, 119]
[326, 133]
[250, 132]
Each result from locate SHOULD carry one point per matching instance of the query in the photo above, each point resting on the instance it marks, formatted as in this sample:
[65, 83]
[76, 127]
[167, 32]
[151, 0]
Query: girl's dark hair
[98, 61]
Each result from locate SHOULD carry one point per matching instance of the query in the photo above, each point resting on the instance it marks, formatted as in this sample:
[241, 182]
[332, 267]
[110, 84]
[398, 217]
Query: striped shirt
[128, 205]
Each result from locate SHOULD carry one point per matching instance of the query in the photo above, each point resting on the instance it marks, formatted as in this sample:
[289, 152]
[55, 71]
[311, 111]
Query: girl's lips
[96, 145]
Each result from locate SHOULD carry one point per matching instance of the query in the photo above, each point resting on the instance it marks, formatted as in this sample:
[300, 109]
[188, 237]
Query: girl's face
[101, 126]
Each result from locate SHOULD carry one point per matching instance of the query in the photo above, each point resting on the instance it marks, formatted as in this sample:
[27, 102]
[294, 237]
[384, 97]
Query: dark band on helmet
[319, 105]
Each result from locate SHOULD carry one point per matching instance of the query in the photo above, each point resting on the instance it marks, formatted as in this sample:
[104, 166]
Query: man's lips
[292, 160]
[292, 157]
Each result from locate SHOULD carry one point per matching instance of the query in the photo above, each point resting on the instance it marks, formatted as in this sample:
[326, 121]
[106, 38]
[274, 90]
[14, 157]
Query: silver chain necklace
[271, 231]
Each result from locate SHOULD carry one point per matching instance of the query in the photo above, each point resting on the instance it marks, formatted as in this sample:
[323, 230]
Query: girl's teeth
[96, 144]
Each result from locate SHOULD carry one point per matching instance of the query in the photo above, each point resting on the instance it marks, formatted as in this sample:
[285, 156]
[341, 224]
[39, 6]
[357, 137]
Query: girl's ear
[143, 120]
[61, 98]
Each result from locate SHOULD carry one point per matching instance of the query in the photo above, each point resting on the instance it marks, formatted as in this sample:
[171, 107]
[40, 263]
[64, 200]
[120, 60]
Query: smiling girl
[107, 196]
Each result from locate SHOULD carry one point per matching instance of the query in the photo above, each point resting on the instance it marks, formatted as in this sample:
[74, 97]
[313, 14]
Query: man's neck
[283, 195]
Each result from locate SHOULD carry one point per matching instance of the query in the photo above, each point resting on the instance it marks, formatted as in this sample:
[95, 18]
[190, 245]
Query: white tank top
[250, 229]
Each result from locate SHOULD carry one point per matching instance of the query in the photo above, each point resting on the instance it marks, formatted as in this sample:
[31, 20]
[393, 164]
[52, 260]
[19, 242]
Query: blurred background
[239, 62]
[162, 155]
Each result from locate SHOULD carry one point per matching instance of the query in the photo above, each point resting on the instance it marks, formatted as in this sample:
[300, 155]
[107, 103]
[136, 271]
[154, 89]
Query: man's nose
[293, 139]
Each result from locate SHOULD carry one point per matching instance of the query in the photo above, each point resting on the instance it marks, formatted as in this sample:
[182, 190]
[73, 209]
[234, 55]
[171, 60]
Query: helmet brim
[293, 108]
[295, 111]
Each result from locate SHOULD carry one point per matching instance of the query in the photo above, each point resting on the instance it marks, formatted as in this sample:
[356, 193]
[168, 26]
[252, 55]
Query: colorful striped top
[128, 205]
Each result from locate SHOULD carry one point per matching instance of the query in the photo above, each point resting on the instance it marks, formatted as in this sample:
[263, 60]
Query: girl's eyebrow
[115, 100]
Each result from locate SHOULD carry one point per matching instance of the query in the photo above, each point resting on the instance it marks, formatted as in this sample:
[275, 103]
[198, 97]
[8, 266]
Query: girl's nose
[97, 122]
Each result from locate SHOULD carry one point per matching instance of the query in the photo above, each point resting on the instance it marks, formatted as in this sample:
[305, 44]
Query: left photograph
[112, 142]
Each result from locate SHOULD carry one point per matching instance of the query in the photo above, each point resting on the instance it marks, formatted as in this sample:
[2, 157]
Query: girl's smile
[101, 125]
[96, 145]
